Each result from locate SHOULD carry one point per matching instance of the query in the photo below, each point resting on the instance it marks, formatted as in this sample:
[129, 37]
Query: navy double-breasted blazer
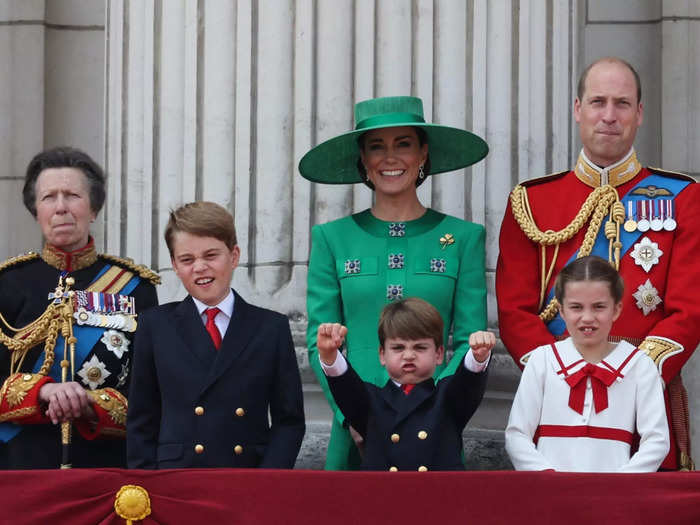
[193, 406]
[419, 431]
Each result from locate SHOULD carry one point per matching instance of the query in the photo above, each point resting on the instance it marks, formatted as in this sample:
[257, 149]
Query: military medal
[630, 224]
[94, 372]
[646, 254]
[115, 342]
[111, 311]
[647, 297]
[656, 223]
[643, 225]
[669, 223]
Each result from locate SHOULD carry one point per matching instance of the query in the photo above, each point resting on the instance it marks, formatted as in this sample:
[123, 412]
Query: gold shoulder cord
[143, 271]
[14, 261]
[603, 200]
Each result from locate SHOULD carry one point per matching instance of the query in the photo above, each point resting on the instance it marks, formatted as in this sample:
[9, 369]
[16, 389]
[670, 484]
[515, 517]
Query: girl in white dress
[581, 401]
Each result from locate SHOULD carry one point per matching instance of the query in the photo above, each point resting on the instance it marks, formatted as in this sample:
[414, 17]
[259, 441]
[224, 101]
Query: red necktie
[601, 379]
[407, 388]
[212, 328]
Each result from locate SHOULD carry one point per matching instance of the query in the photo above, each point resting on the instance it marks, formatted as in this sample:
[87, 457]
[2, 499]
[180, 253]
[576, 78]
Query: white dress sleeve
[525, 416]
[652, 427]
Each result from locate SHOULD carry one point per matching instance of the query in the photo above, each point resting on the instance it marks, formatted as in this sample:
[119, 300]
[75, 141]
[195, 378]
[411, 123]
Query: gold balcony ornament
[132, 503]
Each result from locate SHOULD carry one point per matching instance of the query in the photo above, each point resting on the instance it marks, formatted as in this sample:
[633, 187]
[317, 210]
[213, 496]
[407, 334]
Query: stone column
[51, 93]
[22, 34]
[680, 135]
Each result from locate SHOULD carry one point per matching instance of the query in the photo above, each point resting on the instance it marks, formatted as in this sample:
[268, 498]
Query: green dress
[359, 263]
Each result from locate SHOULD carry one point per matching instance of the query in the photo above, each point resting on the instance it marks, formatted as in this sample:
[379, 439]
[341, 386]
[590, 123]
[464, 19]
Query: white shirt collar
[226, 306]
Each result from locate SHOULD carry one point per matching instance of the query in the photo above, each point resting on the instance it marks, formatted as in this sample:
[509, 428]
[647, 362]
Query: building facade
[219, 99]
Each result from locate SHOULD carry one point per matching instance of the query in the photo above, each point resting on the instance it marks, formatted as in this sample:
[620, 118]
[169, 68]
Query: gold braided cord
[28, 336]
[602, 201]
[598, 203]
[19, 259]
[58, 316]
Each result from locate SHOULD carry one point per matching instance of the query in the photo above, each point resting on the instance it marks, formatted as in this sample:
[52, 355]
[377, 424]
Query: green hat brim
[335, 160]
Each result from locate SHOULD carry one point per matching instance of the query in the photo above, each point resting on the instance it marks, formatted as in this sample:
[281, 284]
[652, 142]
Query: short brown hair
[65, 157]
[203, 219]
[581, 88]
[411, 319]
[589, 268]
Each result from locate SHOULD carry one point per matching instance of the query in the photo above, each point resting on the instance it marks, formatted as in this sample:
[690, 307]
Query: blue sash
[87, 337]
[600, 248]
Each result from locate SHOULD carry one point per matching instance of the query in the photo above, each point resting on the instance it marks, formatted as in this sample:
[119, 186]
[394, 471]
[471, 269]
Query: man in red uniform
[644, 220]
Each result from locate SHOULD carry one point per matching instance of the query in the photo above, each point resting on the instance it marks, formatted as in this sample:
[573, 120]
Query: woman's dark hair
[64, 157]
[589, 268]
[422, 139]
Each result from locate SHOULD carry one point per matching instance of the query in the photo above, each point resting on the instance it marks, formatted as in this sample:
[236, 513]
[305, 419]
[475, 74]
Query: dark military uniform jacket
[25, 284]
[193, 406]
[418, 431]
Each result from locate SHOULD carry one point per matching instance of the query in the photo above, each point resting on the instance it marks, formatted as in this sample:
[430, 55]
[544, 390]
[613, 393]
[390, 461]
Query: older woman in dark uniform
[68, 317]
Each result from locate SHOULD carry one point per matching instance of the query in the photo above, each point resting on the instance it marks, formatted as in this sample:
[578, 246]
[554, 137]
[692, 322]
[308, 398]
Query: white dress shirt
[223, 318]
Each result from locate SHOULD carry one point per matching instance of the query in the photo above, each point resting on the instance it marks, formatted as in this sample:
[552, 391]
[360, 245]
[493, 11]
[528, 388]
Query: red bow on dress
[601, 379]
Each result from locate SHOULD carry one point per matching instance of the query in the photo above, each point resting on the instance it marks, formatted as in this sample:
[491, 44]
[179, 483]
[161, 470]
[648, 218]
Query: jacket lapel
[403, 405]
[392, 396]
[420, 393]
[193, 334]
[241, 328]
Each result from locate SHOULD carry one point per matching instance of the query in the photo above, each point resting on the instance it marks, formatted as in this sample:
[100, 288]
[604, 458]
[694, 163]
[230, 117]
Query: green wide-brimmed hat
[335, 160]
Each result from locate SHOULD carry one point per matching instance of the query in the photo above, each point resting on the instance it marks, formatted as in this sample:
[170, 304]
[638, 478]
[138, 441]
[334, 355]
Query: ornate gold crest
[132, 503]
[17, 386]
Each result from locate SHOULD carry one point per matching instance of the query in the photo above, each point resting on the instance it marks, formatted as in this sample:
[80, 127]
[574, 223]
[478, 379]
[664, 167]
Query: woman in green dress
[397, 248]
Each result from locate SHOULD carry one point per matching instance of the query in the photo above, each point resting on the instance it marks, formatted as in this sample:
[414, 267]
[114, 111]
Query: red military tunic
[663, 319]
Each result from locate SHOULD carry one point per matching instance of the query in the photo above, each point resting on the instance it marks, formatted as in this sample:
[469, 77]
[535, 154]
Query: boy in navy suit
[209, 369]
[411, 423]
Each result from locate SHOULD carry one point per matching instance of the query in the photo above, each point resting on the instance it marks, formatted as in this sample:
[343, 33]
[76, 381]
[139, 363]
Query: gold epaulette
[546, 178]
[672, 174]
[142, 270]
[19, 259]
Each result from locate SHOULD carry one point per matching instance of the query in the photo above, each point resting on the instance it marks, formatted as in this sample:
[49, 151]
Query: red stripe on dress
[616, 371]
[561, 363]
[615, 434]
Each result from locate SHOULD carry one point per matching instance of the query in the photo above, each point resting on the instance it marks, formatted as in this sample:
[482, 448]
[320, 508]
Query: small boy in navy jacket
[411, 423]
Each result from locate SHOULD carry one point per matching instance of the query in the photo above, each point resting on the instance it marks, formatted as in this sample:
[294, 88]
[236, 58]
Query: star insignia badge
[647, 297]
[646, 253]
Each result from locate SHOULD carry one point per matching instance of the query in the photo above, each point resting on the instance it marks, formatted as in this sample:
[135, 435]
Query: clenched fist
[329, 338]
[481, 343]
